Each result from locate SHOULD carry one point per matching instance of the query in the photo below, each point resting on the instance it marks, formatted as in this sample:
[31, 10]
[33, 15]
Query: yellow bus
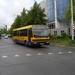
[32, 35]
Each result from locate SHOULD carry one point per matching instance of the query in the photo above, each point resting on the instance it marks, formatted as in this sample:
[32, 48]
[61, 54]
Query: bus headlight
[35, 42]
[47, 42]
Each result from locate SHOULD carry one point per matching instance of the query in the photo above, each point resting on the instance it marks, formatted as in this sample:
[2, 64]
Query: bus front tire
[25, 43]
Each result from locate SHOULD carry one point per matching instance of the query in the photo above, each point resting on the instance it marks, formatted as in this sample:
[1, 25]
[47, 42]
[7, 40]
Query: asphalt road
[17, 59]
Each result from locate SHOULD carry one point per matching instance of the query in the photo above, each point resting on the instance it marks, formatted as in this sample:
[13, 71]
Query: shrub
[72, 43]
[64, 36]
[54, 37]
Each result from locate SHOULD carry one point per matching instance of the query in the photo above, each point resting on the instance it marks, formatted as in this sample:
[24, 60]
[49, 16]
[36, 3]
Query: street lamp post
[72, 19]
[55, 9]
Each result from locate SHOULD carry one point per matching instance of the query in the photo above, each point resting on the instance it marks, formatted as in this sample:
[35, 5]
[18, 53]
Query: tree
[37, 15]
[23, 17]
[68, 13]
[16, 24]
[34, 16]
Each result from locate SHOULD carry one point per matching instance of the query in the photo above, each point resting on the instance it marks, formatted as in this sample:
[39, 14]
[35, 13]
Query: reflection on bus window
[41, 33]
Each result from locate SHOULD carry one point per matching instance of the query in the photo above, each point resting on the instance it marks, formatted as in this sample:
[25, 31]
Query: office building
[56, 17]
[43, 5]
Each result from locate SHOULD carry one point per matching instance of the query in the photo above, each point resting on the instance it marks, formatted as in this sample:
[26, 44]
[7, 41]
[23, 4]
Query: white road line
[5, 46]
[17, 56]
[39, 54]
[70, 52]
[4, 56]
[50, 53]
[60, 52]
[28, 54]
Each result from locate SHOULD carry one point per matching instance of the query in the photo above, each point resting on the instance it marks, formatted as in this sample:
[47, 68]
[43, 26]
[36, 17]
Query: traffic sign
[73, 27]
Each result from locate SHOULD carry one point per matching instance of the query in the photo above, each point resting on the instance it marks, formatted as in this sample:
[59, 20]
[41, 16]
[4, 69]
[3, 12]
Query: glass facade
[61, 5]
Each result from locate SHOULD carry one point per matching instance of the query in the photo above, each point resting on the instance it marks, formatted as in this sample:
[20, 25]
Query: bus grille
[41, 40]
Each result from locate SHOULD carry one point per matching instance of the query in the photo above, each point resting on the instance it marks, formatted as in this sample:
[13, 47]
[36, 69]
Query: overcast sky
[10, 8]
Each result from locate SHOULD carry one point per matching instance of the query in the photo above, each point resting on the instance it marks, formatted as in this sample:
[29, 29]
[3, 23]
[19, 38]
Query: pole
[72, 19]
[55, 9]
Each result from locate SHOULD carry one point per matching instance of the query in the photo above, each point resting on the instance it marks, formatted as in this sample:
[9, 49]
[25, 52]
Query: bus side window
[15, 33]
[25, 32]
[30, 31]
[18, 33]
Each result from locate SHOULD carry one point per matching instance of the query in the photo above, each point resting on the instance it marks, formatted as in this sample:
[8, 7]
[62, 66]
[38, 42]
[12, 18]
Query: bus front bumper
[37, 43]
[41, 43]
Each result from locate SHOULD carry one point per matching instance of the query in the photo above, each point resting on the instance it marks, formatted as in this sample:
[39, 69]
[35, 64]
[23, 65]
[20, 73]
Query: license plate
[41, 43]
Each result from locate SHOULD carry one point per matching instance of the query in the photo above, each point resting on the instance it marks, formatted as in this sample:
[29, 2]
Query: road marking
[50, 53]
[39, 54]
[17, 56]
[4, 56]
[70, 52]
[28, 54]
[4, 46]
[60, 52]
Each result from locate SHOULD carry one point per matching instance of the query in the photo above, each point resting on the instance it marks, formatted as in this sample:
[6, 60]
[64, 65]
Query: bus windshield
[40, 31]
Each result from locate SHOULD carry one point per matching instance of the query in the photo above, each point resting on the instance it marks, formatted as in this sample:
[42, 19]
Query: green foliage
[68, 13]
[37, 14]
[17, 22]
[71, 43]
[54, 37]
[23, 18]
[3, 31]
[64, 40]
[64, 36]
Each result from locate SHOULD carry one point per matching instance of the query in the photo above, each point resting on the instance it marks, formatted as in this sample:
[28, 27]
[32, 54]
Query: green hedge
[63, 40]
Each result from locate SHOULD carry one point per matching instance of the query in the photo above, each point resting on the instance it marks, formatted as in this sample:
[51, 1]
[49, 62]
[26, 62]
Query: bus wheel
[39, 45]
[25, 43]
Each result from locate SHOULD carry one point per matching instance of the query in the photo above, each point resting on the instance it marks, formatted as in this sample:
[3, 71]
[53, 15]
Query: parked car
[6, 37]
[9, 35]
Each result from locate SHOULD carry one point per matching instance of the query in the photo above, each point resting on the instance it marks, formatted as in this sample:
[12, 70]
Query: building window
[62, 32]
[61, 5]
[69, 31]
[74, 32]
[55, 32]
[52, 26]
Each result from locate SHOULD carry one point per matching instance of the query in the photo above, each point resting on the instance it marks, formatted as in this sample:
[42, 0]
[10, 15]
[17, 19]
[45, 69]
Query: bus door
[18, 35]
[0, 35]
[29, 34]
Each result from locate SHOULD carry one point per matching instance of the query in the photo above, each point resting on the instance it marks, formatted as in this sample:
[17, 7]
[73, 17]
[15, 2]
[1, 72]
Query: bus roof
[26, 27]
